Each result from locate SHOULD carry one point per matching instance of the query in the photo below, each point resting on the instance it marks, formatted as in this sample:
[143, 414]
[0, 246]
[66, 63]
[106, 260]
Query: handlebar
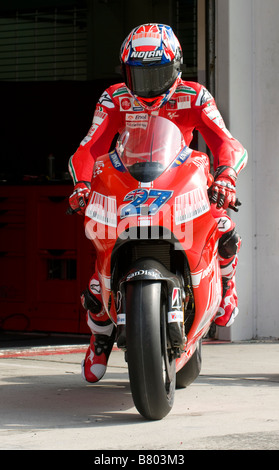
[237, 204]
[71, 211]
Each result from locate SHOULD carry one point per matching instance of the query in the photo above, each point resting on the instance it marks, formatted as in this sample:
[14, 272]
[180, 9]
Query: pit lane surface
[46, 405]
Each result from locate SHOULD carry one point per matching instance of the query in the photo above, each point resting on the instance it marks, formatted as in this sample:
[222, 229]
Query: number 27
[138, 199]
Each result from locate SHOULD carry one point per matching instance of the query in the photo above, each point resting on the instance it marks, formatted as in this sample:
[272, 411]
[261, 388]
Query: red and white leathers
[229, 246]
[190, 107]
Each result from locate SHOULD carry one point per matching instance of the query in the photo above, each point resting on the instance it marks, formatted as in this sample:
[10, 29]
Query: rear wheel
[151, 364]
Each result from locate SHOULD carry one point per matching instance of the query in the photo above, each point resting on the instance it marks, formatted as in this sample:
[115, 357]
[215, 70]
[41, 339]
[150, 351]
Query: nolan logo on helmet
[147, 55]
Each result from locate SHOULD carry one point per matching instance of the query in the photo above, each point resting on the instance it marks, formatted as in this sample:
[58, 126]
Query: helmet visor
[151, 81]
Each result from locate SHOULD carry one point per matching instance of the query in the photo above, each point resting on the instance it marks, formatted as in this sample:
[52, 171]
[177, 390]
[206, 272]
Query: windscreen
[147, 146]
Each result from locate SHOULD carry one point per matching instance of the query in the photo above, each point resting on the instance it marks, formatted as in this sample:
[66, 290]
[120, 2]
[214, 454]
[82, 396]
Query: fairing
[174, 198]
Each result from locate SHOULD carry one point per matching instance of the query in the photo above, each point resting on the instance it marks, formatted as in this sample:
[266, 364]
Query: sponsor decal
[137, 106]
[136, 117]
[144, 202]
[202, 273]
[172, 115]
[199, 275]
[182, 157]
[201, 162]
[125, 104]
[143, 272]
[190, 205]
[135, 120]
[176, 316]
[209, 269]
[117, 163]
[144, 221]
[95, 286]
[121, 319]
[106, 100]
[181, 102]
[224, 224]
[137, 125]
[102, 209]
[184, 102]
[97, 170]
[98, 119]
[89, 135]
[203, 97]
[214, 115]
[146, 56]
[176, 301]
[171, 104]
[87, 138]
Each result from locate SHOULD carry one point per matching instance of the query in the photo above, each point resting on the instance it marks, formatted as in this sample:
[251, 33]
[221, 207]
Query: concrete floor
[46, 405]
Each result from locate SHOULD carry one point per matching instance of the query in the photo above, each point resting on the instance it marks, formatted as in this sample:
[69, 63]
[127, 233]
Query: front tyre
[150, 362]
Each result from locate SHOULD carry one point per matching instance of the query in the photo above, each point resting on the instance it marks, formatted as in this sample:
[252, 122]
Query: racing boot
[228, 309]
[94, 365]
[103, 331]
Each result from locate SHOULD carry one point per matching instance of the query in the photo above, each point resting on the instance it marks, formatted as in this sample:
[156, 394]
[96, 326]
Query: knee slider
[229, 244]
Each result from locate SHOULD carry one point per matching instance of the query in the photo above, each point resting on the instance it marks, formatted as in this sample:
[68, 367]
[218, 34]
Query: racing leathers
[190, 107]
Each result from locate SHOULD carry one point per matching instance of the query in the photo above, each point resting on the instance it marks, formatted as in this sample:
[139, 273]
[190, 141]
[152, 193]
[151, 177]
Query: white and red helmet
[151, 59]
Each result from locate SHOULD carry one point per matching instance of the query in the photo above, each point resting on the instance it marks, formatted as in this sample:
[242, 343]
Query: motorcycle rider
[151, 59]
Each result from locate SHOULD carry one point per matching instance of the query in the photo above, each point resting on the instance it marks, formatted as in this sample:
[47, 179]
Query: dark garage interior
[56, 58]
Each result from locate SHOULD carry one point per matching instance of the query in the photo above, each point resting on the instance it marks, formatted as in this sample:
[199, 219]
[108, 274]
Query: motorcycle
[148, 217]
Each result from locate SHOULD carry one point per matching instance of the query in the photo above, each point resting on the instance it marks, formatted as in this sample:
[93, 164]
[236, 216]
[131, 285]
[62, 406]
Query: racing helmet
[151, 59]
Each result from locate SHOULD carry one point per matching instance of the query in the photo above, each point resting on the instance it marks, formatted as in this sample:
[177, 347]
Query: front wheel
[150, 362]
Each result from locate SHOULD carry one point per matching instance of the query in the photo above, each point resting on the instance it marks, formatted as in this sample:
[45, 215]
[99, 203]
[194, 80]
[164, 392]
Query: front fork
[152, 270]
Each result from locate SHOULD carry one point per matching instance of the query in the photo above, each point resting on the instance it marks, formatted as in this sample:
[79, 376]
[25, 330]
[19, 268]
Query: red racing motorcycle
[148, 217]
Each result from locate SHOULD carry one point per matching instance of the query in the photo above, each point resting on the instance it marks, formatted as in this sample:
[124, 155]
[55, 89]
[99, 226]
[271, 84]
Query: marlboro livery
[169, 199]
[149, 219]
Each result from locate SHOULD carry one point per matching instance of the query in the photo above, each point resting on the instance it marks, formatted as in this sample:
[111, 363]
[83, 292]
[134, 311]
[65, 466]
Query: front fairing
[176, 200]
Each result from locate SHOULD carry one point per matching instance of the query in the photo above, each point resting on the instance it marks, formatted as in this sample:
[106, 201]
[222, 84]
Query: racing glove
[79, 198]
[222, 191]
